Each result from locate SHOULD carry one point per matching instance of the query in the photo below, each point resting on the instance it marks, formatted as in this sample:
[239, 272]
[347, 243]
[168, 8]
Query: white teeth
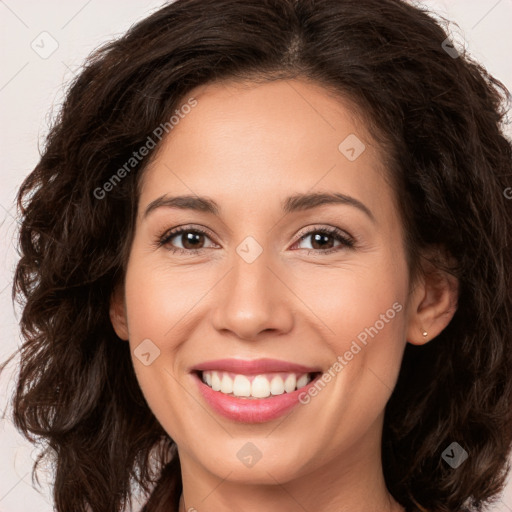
[261, 386]
[241, 386]
[216, 384]
[302, 381]
[290, 383]
[226, 385]
[277, 386]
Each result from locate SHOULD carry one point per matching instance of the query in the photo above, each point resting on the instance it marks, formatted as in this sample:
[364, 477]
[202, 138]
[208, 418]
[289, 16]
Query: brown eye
[324, 240]
[192, 240]
[185, 240]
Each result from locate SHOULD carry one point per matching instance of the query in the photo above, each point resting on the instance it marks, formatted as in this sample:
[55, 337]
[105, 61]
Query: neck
[389, 505]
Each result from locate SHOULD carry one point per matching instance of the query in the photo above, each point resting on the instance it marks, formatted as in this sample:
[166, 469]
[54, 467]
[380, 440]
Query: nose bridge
[252, 299]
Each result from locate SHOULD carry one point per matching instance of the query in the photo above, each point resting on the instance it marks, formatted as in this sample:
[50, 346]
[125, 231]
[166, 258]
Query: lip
[254, 367]
[247, 410]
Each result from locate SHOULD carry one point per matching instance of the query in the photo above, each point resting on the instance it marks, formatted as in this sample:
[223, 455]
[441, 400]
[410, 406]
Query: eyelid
[347, 241]
[324, 228]
[168, 234]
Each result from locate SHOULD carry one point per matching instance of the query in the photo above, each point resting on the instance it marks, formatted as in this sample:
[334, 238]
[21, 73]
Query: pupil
[192, 238]
[321, 237]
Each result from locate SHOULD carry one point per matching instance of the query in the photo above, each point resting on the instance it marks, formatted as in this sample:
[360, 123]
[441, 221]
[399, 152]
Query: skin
[248, 147]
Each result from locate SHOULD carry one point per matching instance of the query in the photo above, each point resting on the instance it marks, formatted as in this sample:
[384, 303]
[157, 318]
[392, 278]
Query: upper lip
[254, 366]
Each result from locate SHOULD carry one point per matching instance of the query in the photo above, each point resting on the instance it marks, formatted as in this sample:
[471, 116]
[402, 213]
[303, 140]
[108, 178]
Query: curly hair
[439, 116]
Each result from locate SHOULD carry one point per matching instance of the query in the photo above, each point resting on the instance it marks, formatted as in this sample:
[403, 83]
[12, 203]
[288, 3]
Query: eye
[323, 240]
[192, 240]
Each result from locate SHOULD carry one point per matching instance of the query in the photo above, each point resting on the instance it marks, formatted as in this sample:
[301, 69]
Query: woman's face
[267, 299]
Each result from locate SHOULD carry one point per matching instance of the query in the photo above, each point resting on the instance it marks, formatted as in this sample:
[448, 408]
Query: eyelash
[346, 240]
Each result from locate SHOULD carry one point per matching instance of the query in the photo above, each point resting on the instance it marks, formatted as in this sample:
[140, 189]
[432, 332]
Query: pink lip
[247, 410]
[254, 367]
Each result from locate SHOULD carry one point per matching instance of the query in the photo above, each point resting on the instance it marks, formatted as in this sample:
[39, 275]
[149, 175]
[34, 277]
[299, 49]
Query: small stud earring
[425, 334]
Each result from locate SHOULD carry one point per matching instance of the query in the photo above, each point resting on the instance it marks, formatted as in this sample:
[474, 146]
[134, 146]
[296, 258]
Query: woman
[265, 266]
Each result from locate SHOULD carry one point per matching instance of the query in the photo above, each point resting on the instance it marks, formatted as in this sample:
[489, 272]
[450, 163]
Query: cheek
[159, 298]
[362, 312]
[354, 297]
[160, 312]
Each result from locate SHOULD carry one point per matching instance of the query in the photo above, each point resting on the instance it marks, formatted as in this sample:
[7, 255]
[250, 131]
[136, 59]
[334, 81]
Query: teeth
[241, 386]
[258, 386]
[216, 383]
[226, 385]
[302, 381]
[277, 386]
[290, 383]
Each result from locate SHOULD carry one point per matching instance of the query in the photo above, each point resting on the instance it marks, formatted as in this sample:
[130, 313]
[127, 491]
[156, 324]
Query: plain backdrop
[43, 46]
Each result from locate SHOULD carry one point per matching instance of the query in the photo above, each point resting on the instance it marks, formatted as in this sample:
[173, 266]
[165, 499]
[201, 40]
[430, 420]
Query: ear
[433, 304]
[118, 312]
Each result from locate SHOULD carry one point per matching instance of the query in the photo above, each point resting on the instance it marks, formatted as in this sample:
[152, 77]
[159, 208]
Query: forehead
[249, 142]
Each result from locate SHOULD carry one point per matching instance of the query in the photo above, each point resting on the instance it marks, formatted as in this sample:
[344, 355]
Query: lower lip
[247, 410]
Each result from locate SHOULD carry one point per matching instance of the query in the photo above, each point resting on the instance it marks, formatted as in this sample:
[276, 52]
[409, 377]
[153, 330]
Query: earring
[425, 334]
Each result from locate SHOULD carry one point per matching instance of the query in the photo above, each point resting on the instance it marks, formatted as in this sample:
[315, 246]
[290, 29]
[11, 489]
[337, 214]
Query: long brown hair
[439, 116]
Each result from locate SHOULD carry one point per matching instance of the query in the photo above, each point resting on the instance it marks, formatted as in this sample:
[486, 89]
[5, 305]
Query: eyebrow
[294, 203]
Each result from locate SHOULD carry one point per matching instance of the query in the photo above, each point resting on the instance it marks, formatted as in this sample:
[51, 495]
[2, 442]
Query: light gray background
[31, 85]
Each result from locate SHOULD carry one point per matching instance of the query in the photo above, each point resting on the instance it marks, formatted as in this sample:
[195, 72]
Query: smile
[253, 391]
[255, 386]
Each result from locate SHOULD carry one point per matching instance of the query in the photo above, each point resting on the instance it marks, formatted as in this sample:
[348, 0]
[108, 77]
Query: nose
[253, 299]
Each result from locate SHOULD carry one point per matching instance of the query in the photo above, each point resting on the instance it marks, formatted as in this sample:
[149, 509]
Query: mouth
[253, 391]
[255, 386]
